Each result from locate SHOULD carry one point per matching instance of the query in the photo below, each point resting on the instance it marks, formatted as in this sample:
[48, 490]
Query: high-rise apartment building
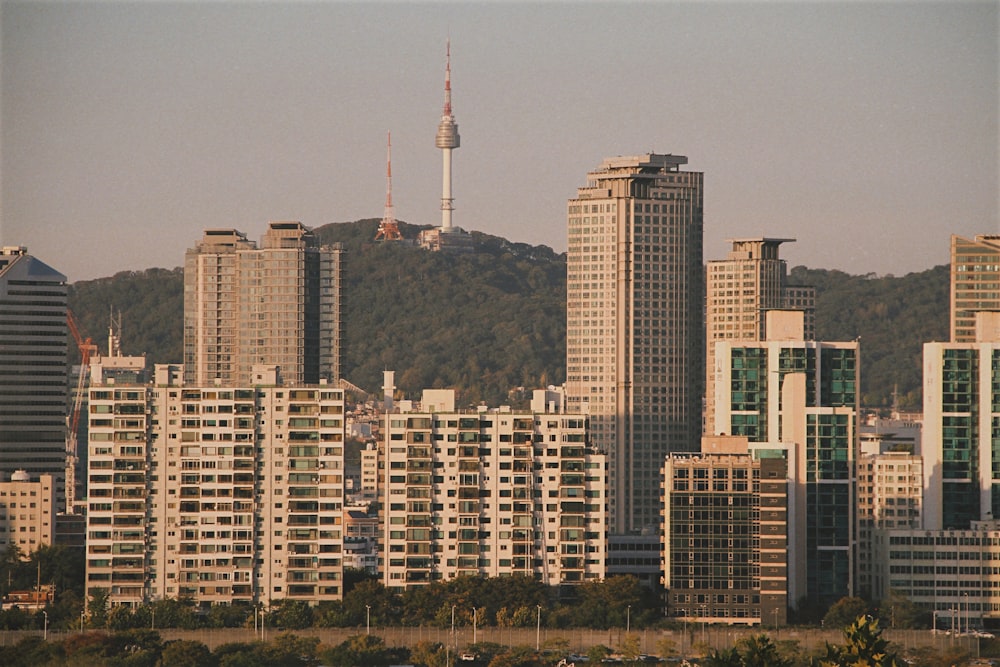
[751, 280]
[278, 304]
[975, 282]
[725, 535]
[635, 322]
[216, 494]
[490, 493]
[804, 393]
[962, 428]
[33, 367]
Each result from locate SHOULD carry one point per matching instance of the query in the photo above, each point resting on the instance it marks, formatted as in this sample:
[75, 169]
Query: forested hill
[488, 322]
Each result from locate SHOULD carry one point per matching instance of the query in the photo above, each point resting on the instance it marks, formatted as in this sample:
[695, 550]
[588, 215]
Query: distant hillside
[893, 316]
[494, 320]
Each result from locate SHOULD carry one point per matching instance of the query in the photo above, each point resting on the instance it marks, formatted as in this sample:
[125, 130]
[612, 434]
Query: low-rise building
[27, 512]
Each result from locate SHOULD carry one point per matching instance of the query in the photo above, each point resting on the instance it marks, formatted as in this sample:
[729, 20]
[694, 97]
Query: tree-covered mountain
[494, 320]
[892, 316]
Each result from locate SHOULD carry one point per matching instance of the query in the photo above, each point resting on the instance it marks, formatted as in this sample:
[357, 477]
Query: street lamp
[538, 628]
[152, 618]
[82, 615]
[368, 619]
[473, 625]
[45, 628]
[453, 625]
[775, 619]
[628, 618]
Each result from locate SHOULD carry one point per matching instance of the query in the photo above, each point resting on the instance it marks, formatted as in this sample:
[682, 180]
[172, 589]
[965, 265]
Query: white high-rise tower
[447, 139]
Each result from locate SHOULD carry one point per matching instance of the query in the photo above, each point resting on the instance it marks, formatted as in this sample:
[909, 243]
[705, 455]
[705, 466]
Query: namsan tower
[447, 139]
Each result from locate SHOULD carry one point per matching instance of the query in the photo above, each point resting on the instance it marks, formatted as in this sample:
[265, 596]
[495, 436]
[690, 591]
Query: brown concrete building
[725, 535]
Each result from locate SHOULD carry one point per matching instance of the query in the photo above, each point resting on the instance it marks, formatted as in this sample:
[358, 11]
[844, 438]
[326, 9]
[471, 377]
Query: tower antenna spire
[388, 229]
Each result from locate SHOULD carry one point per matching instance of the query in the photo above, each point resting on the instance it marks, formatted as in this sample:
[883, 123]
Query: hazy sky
[868, 131]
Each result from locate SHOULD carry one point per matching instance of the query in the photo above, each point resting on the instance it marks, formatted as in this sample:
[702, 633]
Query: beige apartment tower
[635, 322]
[277, 304]
[975, 282]
[740, 289]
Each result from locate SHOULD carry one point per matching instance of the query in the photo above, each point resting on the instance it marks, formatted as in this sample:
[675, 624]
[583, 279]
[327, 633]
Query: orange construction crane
[87, 348]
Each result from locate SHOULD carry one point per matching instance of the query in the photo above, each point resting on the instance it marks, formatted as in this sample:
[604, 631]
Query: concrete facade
[975, 282]
[217, 494]
[635, 322]
[725, 535]
[27, 512]
[961, 427]
[490, 493]
[803, 394]
[278, 304]
[751, 280]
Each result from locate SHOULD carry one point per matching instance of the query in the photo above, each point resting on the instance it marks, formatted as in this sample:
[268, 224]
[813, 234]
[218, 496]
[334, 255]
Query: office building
[278, 304]
[751, 280]
[962, 427]
[804, 393]
[955, 574]
[635, 323]
[33, 367]
[725, 535]
[216, 494]
[975, 282]
[490, 493]
[27, 512]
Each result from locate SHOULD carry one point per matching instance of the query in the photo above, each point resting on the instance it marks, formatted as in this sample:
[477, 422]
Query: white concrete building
[490, 493]
[955, 573]
[961, 425]
[217, 494]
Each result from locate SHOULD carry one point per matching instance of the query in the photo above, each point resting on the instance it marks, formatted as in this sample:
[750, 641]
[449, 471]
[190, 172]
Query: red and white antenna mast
[388, 229]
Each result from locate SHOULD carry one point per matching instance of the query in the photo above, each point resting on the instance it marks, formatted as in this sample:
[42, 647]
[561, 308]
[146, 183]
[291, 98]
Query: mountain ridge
[490, 322]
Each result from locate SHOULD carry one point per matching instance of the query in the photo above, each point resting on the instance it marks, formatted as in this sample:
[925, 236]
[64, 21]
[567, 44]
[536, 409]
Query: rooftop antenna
[388, 229]
[447, 140]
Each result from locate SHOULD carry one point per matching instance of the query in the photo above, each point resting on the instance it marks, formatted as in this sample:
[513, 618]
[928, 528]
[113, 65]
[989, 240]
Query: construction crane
[87, 348]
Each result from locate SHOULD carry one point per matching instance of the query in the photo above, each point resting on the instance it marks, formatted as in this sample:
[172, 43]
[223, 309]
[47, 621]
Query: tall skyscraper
[975, 282]
[803, 395]
[962, 428]
[274, 305]
[33, 367]
[751, 280]
[635, 322]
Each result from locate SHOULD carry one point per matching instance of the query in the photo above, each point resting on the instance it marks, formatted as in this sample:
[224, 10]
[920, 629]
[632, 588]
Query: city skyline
[866, 131]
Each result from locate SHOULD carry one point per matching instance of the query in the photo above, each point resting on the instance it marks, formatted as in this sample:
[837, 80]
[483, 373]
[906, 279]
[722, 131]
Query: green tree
[97, 608]
[864, 647]
[428, 654]
[359, 650]
[899, 611]
[844, 611]
[186, 653]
